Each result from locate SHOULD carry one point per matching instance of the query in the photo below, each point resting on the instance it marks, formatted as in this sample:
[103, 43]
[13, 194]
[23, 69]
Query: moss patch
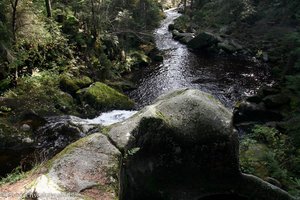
[39, 94]
[73, 84]
[103, 97]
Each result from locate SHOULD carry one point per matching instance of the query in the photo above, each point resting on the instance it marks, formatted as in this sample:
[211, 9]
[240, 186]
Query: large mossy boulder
[87, 169]
[184, 147]
[103, 97]
[180, 148]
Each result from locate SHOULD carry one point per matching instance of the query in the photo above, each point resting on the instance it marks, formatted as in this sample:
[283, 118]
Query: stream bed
[227, 78]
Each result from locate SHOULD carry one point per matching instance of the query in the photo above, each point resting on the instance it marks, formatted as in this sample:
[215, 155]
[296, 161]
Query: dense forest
[81, 57]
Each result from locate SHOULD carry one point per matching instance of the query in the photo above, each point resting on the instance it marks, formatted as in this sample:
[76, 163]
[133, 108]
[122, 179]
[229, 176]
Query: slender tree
[48, 8]
[14, 5]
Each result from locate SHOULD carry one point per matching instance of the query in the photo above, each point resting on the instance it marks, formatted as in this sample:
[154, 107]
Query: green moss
[105, 130]
[40, 94]
[103, 97]
[67, 150]
[252, 158]
[73, 84]
[121, 85]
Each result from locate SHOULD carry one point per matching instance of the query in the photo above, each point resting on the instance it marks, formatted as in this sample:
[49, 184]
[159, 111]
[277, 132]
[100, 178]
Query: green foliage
[267, 135]
[14, 176]
[45, 96]
[268, 153]
[5, 84]
[52, 53]
[71, 84]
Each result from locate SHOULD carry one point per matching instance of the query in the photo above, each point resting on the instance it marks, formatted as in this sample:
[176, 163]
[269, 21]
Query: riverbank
[266, 31]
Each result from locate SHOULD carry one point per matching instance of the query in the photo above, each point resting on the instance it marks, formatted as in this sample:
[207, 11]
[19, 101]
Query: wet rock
[277, 100]
[252, 112]
[204, 40]
[156, 55]
[229, 46]
[226, 46]
[266, 90]
[254, 99]
[58, 133]
[182, 37]
[25, 127]
[139, 59]
[158, 58]
[186, 38]
[171, 27]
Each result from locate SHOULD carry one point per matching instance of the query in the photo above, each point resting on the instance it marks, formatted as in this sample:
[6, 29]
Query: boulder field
[182, 147]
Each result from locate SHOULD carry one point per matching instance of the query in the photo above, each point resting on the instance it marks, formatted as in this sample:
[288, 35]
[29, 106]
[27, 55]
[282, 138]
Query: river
[227, 78]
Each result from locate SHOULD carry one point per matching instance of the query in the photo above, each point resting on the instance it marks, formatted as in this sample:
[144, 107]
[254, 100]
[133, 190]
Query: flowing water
[226, 78]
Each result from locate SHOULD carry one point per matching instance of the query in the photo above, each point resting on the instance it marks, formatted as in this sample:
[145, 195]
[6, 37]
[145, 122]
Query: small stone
[25, 127]
[27, 140]
[265, 57]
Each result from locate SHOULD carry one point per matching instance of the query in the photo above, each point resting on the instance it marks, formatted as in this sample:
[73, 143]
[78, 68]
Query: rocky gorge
[181, 145]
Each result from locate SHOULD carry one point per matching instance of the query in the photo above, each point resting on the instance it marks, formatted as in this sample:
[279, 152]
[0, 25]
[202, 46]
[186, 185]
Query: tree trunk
[14, 5]
[94, 25]
[48, 8]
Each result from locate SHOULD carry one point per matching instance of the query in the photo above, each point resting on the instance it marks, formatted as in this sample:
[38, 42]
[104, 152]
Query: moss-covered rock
[185, 132]
[181, 147]
[73, 84]
[39, 94]
[138, 59]
[87, 169]
[121, 85]
[103, 97]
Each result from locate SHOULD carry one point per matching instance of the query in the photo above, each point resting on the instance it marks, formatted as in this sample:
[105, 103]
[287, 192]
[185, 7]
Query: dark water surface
[226, 78]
